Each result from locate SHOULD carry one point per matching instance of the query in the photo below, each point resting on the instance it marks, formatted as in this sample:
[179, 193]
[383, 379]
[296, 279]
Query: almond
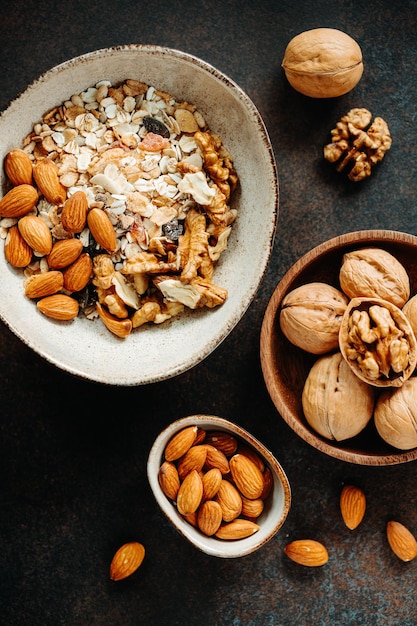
[64, 252]
[45, 174]
[216, 458]
[17, 252]
[401, 540]
[268, 483]
[238, 529]
[119, 327]
[247, 476]
[102, 229]
[40, 285]
[193, 459]
[307, 552]
[74, 212]
[59, 307]
[18, 167]
[18, 201]
[352, 506]
[127, 560]
[223, 441]
[209, 517]
[252, 455]
[169, 480]
[178, 445]
[201, 435]
[252, 508]
[190, 493]
[78, 274]
[230, 501]
[211, 483]
[36, 233]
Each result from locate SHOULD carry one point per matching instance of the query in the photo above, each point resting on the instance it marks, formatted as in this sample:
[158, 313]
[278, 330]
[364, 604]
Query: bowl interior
[158, 351]
[285, 367]
[276, 507]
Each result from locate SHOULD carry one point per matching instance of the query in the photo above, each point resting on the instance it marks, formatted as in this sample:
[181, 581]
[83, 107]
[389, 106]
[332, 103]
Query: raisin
[153, 125]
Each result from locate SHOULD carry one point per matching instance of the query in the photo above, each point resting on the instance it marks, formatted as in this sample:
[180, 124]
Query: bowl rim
[269, 371]
[184, 361]
[211, 545]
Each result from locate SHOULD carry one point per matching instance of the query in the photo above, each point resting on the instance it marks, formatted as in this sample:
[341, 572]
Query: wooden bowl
[285, 367]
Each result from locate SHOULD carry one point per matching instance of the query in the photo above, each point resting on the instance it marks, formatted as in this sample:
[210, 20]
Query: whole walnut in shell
[310, 317]
[336, 403]
[374, 273]
[410, 311]
[395, 415]
[323, 63]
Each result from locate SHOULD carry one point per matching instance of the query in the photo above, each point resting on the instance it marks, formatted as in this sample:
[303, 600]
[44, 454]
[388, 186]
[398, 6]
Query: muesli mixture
[136, 158]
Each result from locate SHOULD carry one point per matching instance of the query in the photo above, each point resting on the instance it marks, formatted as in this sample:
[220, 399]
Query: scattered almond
[401, 540]
[18, 201]
[18, 167]
[352, 506]
[45, 174]
[17, 252]
[59, 307]
[307, 552]
[127, 560]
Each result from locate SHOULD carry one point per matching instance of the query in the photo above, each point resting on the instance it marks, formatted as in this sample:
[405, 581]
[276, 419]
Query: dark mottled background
[73, 470]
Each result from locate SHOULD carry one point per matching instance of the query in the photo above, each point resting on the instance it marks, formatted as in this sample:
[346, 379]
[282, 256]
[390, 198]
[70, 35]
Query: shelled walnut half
[357, 145]
[377, 342]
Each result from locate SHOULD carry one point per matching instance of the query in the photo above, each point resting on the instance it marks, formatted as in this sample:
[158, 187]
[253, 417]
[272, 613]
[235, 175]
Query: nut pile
[217, 484]
[363, 332]
[119, 207]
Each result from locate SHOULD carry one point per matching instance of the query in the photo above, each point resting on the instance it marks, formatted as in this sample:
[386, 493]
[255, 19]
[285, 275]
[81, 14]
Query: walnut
[311, 315]
[395, 415]
[355, 149]
[336, 403]
[377, 341]
[193, 245]
[374, 273]
[217, 162]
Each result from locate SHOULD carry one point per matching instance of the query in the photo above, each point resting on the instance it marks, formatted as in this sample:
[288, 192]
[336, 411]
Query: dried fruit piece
[59, 307]
[238, 529]
[307, 552]
[169, 479]
[190, 493]
[36, 233]
[180, 443]
[17, 252]
[209, 517]
[247, 476]
[45, 174]
[127, 560]
[18, 167]
[18, 201]
[352, 506]
[402, 541]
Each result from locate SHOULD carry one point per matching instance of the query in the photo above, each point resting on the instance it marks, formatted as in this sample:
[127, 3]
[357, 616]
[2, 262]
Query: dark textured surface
[73, 471]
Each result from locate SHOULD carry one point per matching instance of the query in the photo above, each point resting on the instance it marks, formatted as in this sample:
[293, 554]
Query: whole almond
[247, 476]
[119, 327]
[193, 459]
[223, 441]
[64, 252]
[211, 482]
[127, 560]
[18, 167]
[209, 517]
[78, 274]
[59, 307]
[252, 455]
[178, 445]
[45, 174]
[102, 229]
[36, 233]
[17, 252]
[402, 541]
[352, 506]
[18, 201]
[74, 212]
[307, 552]
[190, 493]
[238, 529]
[252, 508]
[230, 501]
[216, 458]
[169, 479]
[46, 284]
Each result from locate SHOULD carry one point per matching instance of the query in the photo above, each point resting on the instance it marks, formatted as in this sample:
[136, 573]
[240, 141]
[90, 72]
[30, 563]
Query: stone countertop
[73, 470]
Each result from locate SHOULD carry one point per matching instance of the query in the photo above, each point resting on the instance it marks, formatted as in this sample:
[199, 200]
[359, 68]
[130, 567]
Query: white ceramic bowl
[156, 352]
[276, 508]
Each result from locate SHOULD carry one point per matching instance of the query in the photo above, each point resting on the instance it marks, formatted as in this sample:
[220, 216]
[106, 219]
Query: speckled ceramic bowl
[277, 505]
[285, 367]
[156, 352]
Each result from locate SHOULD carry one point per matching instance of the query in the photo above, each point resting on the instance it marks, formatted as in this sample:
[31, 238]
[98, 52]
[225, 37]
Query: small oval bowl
[285, 367]
[277, 504]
